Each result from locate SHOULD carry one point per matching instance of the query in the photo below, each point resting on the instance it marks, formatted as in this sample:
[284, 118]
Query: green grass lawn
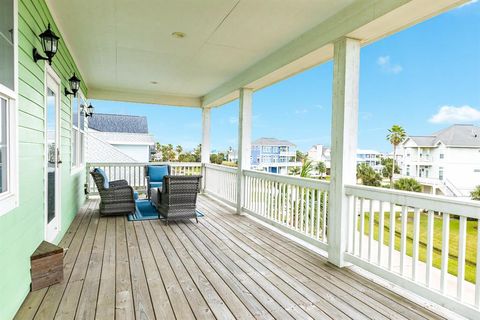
[471, 242]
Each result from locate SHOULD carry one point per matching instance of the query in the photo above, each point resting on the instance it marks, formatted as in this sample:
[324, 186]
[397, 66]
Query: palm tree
[321, 168]
[306, 169]
[408, 184]
[396, 135]
[294, 171]
[179, 149]
[475, 194]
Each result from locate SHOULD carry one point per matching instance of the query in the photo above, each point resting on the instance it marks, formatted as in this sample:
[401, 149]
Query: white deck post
[344, 142]
[205, 155]
[244, 142]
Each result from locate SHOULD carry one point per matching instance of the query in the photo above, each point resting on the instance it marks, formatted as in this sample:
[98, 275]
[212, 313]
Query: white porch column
[205, 154]
[244, 141]
[206, 135]
[344, 142]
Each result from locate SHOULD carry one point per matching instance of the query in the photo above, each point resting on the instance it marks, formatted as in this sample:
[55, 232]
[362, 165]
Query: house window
[408, 170]
[442, 156]
[440, 173]
[8, 106]
[78, 131]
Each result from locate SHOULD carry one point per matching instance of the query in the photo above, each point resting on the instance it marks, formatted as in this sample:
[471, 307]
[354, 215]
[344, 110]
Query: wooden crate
[46, 265]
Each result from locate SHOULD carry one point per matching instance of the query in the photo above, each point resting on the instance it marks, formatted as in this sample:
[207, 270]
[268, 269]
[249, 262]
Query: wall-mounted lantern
[74, 83]
[89, 111]
[49, 44]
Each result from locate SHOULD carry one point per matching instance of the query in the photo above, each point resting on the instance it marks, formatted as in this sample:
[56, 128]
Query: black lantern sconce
[88, 111]
[49, 45]
[74, 83]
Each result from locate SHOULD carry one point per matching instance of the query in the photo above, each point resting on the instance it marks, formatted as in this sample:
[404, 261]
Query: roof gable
[118, 123]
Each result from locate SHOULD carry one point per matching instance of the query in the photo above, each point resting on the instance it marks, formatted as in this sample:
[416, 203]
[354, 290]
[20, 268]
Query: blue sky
[423, 78]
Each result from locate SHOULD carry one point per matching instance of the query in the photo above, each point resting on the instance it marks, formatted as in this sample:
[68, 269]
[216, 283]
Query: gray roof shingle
[457, 135]
[118, 123]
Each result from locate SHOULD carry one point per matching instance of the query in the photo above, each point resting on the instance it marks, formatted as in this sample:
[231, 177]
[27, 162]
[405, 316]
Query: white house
[273, 155]
[118, 138]
[370, 157]
[446, 162]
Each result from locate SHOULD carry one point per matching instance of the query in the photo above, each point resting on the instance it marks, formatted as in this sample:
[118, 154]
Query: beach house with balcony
[446, 162]
[305, 255]
[274, 155]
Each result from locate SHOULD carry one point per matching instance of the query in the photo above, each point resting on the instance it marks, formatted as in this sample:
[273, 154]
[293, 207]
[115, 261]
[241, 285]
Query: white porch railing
[134, 173]
[221, 182]
[296, 205]
[413, 255]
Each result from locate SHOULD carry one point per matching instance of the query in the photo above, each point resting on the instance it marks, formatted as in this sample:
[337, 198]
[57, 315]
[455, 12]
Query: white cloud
[449, 114]
[468, 3]
[387, 66]
[301, 111]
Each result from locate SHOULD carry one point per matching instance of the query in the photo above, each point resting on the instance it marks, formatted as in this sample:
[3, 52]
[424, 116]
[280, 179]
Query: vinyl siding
[22, 229]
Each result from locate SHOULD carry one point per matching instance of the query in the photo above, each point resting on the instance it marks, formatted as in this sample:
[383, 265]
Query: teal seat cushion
[106, 183]
[135, 195]
[155, 184]
[156, 173]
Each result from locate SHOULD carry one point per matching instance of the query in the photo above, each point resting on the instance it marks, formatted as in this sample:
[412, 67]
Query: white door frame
[52, 229]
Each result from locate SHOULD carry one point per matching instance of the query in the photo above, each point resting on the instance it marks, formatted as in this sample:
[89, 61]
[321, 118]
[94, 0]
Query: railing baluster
[297, 208]
[307, 209]
[362, 227]
[430, 223]
[302, 204]
[381, 229]
[391, 243]
[354, 226]
[477, 275]
[324, 214]
[462, 240]
[416, 236]
[445, 250]
[403, 238]
[318, 214]
[312, 213]
[371, 220]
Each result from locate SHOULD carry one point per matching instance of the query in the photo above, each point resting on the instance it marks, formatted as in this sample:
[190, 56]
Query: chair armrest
[122, 193]
[118, 183]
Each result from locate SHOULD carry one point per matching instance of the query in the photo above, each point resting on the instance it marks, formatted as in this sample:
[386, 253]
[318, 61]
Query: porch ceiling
[125, 49]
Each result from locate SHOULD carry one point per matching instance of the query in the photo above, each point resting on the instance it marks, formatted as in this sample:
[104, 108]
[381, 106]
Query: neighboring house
[232, 155]
[446, 162]
[370, 157]
[273, 155]
[127, 137]
[320, 153]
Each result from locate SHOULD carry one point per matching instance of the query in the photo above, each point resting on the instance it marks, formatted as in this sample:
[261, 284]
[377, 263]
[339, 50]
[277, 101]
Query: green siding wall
[22, 229]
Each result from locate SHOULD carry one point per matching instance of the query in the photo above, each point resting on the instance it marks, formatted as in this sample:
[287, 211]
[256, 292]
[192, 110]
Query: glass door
[53, 162]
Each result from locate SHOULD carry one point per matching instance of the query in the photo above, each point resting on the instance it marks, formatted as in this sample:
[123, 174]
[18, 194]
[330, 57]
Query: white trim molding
[11, 198]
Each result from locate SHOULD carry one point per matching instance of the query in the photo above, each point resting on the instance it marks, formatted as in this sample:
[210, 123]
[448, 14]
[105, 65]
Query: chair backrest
[157, 172]
[100, 178]
[181, 184]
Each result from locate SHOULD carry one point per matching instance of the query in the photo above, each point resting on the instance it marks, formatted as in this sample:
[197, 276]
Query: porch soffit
[125, 50]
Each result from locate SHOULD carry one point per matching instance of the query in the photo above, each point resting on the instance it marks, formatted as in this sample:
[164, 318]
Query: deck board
[225, 267]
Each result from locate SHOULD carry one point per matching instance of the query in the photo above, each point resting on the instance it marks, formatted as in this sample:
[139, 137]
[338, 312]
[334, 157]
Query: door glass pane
[51, 152]
[3, 145]
[75, 112]
[6, 43]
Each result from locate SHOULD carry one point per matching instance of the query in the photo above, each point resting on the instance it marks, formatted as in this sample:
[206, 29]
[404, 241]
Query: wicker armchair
[154, 175]
[117, 197]
[178, 197]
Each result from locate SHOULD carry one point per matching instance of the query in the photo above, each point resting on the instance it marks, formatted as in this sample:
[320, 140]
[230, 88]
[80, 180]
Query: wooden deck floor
[224, 267]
